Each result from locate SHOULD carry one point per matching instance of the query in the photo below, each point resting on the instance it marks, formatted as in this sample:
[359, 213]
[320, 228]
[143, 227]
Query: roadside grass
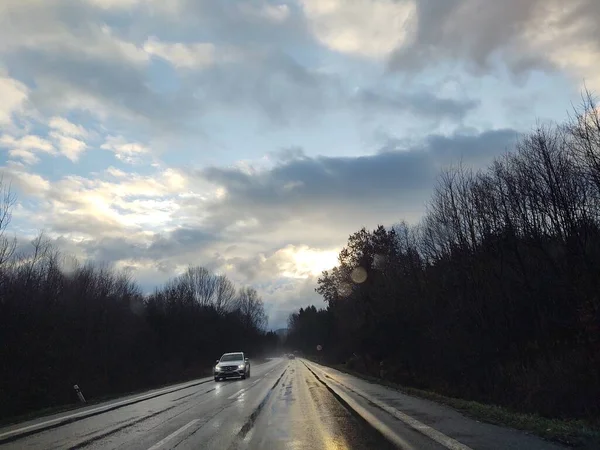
[575, 432]
[66, 407]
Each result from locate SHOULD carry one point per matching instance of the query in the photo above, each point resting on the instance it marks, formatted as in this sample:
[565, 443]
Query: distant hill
[281, 332]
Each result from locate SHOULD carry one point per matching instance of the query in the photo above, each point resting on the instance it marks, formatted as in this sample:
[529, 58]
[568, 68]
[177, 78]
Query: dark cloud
[273, 83]
[311, 200]
[422, 104]
[356, 179]
[475, 31]
[176, 245]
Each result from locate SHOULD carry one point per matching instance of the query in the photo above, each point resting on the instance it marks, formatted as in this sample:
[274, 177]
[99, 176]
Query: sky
[253, 137]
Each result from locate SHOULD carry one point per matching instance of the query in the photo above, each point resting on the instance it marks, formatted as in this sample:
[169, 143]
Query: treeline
[494, 295]
[93, 327]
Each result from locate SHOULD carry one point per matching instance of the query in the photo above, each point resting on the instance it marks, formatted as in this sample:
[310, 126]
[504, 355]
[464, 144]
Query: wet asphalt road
[281, 406]
[285, 404]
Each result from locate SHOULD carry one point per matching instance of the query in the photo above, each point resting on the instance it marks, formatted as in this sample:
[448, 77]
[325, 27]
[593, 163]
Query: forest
[494, 295]
[94, 327]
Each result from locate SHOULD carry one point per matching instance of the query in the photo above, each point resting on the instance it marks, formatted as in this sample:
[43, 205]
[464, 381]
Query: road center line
[159, 444]
[241, 391]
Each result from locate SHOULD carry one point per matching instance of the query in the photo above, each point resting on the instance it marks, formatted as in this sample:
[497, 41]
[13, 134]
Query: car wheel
[243, 377]
[216, 378]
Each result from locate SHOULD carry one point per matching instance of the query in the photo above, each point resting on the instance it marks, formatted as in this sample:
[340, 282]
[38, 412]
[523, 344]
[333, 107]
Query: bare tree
[224, 295]
[252, 309]
[200, 284]
[7, 202]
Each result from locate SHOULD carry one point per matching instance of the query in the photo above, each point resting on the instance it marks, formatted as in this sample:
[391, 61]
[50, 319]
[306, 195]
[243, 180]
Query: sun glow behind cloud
[305, 261]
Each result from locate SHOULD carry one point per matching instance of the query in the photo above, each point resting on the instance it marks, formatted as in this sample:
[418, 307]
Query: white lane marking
[100, 409]
[240, 392]
[256, 381]
[159, 444]
[431, 433]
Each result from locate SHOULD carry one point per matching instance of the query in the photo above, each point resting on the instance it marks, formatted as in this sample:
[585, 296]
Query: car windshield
[232, 357]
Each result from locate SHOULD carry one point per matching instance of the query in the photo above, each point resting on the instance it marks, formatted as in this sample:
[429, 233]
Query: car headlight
[241, 366]
[217, 369]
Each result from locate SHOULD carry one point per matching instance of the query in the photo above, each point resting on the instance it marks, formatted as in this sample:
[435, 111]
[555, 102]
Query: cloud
[369, 28]
[294, 213]
[68, 146]
[63, 134]
[283, 298]
[276, 227]
[28, 183]
[77, 62]
[124, 150]
[67, 128]
[273, 13]
[313, 201]
[86, 208]
[422, 104]
[26, 148]
[524, 35]
[186, 56]
[245, 59]
[13, 94]
[116, 4]
[133, 76]
[264, 24]
[47, 26]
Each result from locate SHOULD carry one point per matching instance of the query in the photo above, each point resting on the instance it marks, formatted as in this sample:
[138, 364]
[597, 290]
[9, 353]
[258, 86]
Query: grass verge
[66, 407]
[577, 433]
[36, 414]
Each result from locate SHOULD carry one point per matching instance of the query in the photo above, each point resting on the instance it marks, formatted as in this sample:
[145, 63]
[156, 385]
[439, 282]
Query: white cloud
[116, 172]
[29, 142]
[65, 134]
[26, 147]
[68, 146]
[13, 94]
[26, 156]
[131, 205]
[371, 28]
[29, 183]
[67, 128]
[125, 150]
[185, 56]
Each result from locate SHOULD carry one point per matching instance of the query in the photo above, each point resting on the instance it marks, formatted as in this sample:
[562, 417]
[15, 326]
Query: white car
[232, 365]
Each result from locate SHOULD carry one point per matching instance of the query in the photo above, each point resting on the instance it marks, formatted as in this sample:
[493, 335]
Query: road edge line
[14, 435]
[431, 433]
[365, 416]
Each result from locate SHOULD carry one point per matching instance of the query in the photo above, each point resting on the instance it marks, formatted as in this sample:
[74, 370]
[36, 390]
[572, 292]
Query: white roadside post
[79, 394]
